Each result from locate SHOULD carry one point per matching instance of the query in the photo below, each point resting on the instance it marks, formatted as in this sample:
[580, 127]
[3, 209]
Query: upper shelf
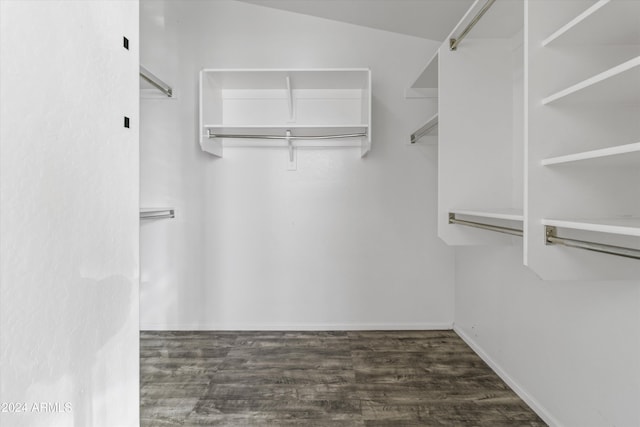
[330, 106]
[428, 78]
[625, 226]
[620, 85]
[628, 154]
[604, 23]
[299, 78]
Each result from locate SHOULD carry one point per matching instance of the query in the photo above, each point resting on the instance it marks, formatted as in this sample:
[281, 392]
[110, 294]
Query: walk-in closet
[320, 213]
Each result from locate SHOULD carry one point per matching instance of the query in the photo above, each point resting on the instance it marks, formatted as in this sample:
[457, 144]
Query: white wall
[573, 347]
[342, 242]
[69, 213]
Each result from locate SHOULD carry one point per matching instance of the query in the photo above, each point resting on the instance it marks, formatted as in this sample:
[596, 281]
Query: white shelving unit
[542, 117]
[589, 108]
[426, 86]
[328, 107]
[480, 127]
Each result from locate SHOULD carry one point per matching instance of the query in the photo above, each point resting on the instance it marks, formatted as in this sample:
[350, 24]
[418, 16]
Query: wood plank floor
[397, 378]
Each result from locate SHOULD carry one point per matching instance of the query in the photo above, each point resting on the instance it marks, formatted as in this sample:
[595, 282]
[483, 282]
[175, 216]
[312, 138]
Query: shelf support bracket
[289, 145]
[292, 163]
[290, 99]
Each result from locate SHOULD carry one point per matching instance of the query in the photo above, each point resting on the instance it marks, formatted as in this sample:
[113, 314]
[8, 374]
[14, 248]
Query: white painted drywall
[431, 19]
[342, 242]
[69, 213]
[573, 347]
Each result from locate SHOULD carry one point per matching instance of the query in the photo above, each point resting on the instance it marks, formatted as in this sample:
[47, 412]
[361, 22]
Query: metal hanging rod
[156, 82]
[158, 214]
[454, 42]
[423, 130]
[288, 138]
[499, 229]
[551, 237]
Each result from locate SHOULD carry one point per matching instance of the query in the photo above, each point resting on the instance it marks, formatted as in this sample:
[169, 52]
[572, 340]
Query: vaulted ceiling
[429, 19]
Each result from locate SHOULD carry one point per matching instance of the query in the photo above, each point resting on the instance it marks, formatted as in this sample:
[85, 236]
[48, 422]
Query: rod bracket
[549, 232]
[454, 42]
[452, 218]
[289, 145]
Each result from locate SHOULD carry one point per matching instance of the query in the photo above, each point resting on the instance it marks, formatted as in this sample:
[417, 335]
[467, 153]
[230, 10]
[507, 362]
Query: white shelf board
[615, 156]
[318, 78]
[509, 214]
[626, 226]
[428, 78]
[618, 84]
[606, 22]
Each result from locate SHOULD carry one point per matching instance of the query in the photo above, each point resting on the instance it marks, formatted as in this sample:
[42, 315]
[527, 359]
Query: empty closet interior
[305, 168]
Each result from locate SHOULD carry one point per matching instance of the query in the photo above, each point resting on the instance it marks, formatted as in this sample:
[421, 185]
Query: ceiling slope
[428, 19]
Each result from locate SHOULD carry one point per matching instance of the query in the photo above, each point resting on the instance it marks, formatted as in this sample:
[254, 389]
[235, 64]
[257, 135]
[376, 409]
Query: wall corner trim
[517, 388]
[295, 326]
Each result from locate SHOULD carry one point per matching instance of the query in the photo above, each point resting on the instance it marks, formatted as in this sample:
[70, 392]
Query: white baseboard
[519, 390]
[295, 326]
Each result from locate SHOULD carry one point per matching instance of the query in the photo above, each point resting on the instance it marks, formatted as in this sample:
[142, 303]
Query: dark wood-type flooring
[399, 378]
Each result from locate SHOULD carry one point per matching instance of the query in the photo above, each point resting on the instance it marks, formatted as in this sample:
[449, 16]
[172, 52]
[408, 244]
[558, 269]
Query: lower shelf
[626, 226]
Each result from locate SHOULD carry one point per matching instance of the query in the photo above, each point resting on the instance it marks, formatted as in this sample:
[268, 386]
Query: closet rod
[551, 237]
[155, 81]
[159, 214]
[422, 131]
[346, 135]
[499, 229]
[454, 42]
